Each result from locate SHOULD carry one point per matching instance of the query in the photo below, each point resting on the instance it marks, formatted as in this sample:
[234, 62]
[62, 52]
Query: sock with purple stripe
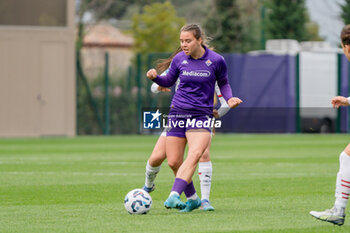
[179, 186]
[190, 191]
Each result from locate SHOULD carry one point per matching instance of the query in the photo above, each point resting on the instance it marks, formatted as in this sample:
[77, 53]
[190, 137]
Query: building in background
[37, 68]
[102, 38]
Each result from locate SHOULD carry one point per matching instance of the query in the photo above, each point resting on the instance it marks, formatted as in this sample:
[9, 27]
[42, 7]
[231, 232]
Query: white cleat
[332, 216]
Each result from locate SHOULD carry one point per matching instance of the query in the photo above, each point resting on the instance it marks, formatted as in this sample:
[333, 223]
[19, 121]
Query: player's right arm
[339, 101]
[169, 79]
[225, 88]
[155, 88]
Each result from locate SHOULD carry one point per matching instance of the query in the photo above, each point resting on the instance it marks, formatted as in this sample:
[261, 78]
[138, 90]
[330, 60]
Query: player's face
[346, 49]
[189, 44]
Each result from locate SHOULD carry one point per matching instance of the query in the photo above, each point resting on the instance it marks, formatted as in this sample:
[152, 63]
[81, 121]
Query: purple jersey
[197, 81]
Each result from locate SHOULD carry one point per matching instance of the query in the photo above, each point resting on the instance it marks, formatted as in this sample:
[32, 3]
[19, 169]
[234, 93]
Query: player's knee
[196, 154]
[205, 157]
[174, 165]
[156, 159]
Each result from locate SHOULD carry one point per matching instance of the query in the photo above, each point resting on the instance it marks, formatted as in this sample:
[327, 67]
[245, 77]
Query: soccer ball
[138, 201]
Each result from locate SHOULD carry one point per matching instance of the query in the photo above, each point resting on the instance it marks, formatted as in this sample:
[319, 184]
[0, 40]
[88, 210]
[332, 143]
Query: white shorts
[163, 133]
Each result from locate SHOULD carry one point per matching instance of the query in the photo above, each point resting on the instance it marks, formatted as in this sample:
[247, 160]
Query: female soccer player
[198, 68]
[204, 167]
[336, 215]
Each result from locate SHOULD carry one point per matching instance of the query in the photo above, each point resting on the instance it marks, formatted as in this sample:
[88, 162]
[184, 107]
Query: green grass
[261, 183]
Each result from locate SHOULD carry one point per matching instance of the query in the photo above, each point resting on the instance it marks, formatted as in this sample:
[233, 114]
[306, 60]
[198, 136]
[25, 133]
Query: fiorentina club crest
[208, 62]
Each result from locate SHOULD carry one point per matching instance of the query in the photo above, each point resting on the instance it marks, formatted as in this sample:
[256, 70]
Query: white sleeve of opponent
[154, 87]
[224, 108]
[177, 84]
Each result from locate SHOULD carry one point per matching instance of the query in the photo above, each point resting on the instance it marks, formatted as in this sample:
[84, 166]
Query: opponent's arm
[155, 88]
[224, 108]
[339, 101]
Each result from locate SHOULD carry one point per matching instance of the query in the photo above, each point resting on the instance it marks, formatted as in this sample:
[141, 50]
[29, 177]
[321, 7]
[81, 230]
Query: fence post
[106, 112]
[339, 68]
[91, 99]
[297, 94]
[150, 57]
[139, 86]
[128, 79]
[77, 93]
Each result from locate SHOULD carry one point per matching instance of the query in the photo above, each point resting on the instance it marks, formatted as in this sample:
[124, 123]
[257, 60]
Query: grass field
[261, 183]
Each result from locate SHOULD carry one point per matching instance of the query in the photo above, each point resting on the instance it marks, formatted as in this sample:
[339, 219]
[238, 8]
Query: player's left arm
[225, 88]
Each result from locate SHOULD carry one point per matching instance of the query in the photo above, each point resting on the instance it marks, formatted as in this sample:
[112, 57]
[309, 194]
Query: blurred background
[77, 67]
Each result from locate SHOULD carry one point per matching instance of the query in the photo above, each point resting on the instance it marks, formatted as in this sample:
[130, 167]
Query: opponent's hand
[339, 101]
[163, 89]
[151, 74]
[234, 102]
[216, 114]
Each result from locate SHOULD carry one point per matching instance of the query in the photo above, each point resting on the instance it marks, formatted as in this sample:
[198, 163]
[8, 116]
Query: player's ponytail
[163, 64]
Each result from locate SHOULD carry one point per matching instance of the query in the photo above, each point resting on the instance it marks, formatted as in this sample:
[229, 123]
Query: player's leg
[336, 215]
[193, 201]
[197, 140]
[205, 172]
[175, 147]
[175, 153]
[154, 162]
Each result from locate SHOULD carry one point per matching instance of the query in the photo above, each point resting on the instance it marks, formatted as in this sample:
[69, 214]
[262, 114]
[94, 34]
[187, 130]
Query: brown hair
[345, 35]
[197, 33]
[163, 64]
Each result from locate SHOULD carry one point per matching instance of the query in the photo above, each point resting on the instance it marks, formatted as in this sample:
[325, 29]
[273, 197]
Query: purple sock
[189, 190]
[179, 185]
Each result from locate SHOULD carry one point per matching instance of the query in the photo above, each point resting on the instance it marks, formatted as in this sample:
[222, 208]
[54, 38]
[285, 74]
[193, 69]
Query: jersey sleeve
[170, 78]
[222, 79]
[177, 84]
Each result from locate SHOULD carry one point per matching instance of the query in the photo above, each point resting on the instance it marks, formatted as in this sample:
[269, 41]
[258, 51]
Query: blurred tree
[313, 31]
[193, 11]
[289, 20]
[251, 23]
[157, 28]
[345, 14]
[224, 26]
